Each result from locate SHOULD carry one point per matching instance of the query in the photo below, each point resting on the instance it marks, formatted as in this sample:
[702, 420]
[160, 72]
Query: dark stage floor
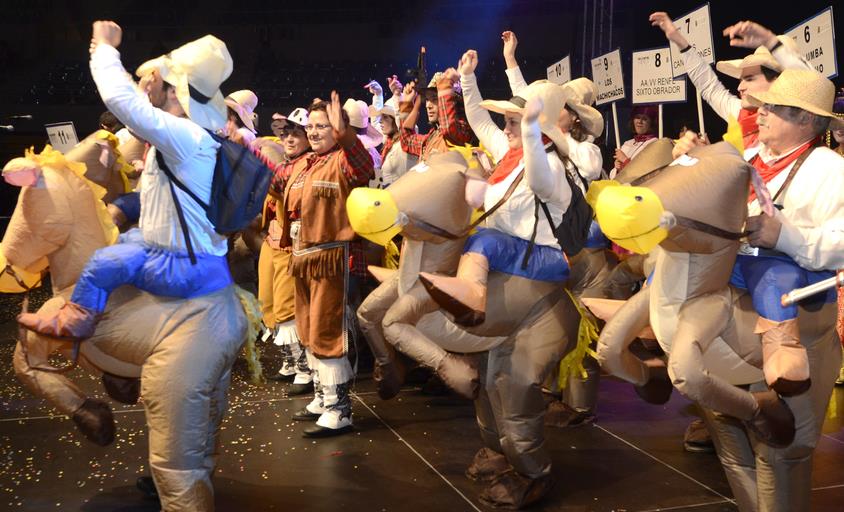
[408, 454]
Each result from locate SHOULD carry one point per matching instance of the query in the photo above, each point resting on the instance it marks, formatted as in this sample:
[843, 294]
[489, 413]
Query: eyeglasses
[315, 127]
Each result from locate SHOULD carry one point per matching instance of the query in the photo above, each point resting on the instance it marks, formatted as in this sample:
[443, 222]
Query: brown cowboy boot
[784, 360]
[513, 491]
[773, 421]
[657, 390]
[487, 465]
[70, 322]
[464, 296]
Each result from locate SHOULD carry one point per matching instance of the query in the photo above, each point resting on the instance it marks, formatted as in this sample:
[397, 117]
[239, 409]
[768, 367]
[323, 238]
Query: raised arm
[722, 101]
[409, 105]
[454, 126]
[544, 174]
[176, 137]
[357, 163]
[514, 74]
[751, 35]
[479, 119]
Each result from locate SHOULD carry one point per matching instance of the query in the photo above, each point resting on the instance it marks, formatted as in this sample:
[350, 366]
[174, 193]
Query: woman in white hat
[580, 122]
[515, 241]
[755, 73]
[358, 112]
[395, 161]
[241, 119]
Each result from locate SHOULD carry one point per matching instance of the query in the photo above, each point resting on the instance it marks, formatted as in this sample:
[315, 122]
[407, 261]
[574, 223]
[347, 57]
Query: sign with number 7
[697, 29]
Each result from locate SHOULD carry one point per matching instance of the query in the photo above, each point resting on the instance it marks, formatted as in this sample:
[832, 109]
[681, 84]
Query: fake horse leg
[400, 330]
[701, 320]
[464, 296]
[489, 461]
[615, 356]
[389, 370]
[784, 359]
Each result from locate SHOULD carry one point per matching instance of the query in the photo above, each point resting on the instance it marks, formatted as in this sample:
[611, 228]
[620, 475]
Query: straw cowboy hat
[553, 101]
[803, 89]
[761, 57]
[580, 95]
[514, 105]
[299, 117]
[244, 103]
[196, 70]
[359, 118]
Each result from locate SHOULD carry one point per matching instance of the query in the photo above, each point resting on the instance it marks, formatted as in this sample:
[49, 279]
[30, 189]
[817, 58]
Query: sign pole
[700, 113]
[615, 125]
[660, 120]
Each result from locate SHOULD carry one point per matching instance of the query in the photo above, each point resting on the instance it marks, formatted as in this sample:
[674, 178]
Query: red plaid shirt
[452, 124]
[281, 173]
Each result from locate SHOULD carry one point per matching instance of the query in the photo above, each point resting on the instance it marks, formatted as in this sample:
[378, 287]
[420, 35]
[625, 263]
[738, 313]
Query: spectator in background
[645, 126]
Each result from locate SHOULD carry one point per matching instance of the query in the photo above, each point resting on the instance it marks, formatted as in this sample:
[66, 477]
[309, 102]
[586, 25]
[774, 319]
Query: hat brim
[733, 67]
[241, 113]
[502, 107]
[590, 119]
[760, 98]
[210, 115]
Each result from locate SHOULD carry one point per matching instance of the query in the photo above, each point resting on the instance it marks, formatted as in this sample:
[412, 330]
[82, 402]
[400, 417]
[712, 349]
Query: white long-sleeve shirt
[722, 101]
[190, 153]
[813, 209]
[585, 155]
[396, 163]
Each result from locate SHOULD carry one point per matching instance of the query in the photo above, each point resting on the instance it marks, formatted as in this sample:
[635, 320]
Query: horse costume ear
[22, 172]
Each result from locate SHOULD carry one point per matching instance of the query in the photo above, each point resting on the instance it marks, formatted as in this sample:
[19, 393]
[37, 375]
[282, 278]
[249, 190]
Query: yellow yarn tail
[252, 309]
[587, 333]
[391, 256]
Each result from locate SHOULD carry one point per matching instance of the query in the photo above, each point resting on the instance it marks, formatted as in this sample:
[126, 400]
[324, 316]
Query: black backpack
[573, 230]
[239, 187]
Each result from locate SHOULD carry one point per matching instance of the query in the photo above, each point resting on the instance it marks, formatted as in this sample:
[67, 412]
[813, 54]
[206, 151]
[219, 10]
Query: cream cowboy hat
[196, 70]
[553, 101]
[803, 89]
[386, 110]
[514, 105]
[359, 118]
[580, 95]
[761, 57]
[244, 103]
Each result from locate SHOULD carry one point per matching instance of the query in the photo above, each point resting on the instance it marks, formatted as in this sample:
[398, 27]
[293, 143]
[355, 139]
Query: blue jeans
[506, 253]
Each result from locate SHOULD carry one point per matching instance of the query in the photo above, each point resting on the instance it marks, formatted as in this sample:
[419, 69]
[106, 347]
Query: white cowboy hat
[553, 101]
[386, 110]
[244, 103]
[761, 57]
[196, 70]
[804, 89]
[580, 95]
[299, 117]
[514, 105]
[359, 118]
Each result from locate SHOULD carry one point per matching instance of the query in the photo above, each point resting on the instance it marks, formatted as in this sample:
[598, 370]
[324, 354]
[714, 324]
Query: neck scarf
[770, 171]
[749, 129]
[645, 137]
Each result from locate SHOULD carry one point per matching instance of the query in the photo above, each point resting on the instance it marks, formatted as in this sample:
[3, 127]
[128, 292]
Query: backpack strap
[179, 211]
[163, 166]
[529, 251]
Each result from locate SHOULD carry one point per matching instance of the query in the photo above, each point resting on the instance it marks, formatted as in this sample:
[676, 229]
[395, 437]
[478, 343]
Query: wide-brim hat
[196, 70]
[761, 57]
[244, 103]
[514, 105]
[359, 118]
[430, 92]
[804, 89]
[553, 101]
[386, 110]
[580, 95]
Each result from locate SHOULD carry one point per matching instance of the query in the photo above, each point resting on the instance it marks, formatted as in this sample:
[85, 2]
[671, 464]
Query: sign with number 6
[815, 37]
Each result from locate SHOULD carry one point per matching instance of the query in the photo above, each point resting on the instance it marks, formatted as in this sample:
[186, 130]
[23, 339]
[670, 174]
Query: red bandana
[510, 161]
[645, 137]
[770, 171]
[749, 129]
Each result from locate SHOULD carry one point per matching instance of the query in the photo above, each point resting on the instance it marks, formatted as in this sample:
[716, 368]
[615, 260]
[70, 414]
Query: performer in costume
[644, 124]
[395, 161]
[442, 104]
[241, 119]
[515, 240]
[315, 225]
[153, 257]
[275, 284]
[755, 73]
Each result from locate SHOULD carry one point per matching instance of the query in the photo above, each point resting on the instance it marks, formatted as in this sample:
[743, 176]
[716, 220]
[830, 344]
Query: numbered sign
[560, 71]
[62, 136]
[697, 29]
[652, 78]
[606, 73]
[816, 39]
